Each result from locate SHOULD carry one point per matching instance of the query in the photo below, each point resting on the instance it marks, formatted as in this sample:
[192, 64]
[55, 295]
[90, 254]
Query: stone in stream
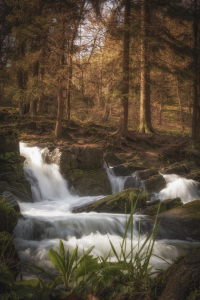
[116, 203]
[83, 169]
[182, 222]
[158, 206]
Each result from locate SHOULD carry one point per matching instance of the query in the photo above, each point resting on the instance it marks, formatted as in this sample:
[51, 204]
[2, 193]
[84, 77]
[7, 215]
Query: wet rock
[181, 280]
[159, 206]
[154, 183]
[178, 169]
[89, 182]
[116, 203]
[11, 200]
[145, 174]
[123, 170]
[132, 182]
[112, 160]
[183, 222]
[82, 167]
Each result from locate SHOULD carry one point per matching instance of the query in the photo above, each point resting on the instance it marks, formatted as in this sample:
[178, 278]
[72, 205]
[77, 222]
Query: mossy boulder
[112, 160]
[145, 174]
[117, 203]
[8, 216]
[160, 206]
[11, 200]
[182, 222]
[154, 183]
[89, 182]
[178, 169]
[181, 280]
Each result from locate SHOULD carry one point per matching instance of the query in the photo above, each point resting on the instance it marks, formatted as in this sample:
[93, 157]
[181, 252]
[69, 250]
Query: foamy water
[49, 218]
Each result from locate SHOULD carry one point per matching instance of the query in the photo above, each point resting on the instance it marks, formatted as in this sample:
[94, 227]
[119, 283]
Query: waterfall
[49, 218]
[119, 183]
[187, 189]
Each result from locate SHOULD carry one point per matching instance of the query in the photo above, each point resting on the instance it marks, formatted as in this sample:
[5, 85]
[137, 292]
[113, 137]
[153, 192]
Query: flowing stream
[50, 218]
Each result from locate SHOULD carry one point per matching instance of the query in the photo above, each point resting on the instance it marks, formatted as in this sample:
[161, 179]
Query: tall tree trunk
[33, 103]
[180, 106]
[145, 108]
[20, 86]
[41, 99]
[195, 83]
[69, 86]
[58, 129]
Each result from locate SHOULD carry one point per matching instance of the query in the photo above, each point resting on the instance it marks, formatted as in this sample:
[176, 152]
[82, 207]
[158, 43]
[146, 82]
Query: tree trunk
[33, 103]
[180, 106]
[20, 86]
[161, 107]
[69, 86]
[195, 83]
[42, 98]
[145, 107]
[58, 129]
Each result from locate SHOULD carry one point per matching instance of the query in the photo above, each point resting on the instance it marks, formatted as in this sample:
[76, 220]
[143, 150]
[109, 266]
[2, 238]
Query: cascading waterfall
[176, 186]
[49, 218]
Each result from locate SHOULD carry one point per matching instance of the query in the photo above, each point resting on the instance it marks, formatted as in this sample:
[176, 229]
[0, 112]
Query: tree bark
[33, 103]
[195, 83]
[180, 106]
[145, 107]
[41, 99]
[58, 129]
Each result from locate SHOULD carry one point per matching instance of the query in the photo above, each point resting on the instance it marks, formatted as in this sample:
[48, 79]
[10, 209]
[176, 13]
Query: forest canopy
[131, 64]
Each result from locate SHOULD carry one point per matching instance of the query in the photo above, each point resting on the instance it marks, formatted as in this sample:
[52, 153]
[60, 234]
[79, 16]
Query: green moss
[194, 292]
[8, 216]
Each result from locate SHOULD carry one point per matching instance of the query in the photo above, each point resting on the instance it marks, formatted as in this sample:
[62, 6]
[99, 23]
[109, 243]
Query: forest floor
[148, 150]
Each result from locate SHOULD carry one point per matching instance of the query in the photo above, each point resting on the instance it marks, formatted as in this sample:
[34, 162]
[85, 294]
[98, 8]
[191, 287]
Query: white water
[118, 182]
[49, 219]
[187, 190]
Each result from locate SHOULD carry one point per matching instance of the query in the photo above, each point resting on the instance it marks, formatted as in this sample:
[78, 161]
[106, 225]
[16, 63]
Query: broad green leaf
[28, 283]
[56, 261]
[62, 251]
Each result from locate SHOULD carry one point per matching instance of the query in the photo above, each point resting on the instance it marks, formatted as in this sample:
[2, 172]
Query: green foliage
[8, 216]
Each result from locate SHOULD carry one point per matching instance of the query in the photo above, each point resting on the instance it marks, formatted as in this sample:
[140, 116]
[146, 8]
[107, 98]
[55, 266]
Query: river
[50, 218]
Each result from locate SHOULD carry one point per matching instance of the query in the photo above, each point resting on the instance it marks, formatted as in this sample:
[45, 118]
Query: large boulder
[181, 280]
[182, 222]
[116, 203]
[82, 167]
[177, 168]
[145, 174]
[154, 184]
[157, 206]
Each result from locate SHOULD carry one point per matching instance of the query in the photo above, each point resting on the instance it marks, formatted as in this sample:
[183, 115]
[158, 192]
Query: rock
[177, 168]
[111, 159]
[183, 222]
[123, 170]
[11, 200]
[193, 175]
[133, 182]
[154, 183]
[160, 206]
[145, 174]
[181, 280]
[82, 167]
[89, 182]
[8, 141]
[116, 203]
[4, 186]
[8, 216]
